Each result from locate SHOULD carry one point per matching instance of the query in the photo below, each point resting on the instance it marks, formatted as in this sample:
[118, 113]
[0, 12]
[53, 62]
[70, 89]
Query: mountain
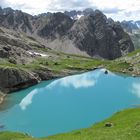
[133, 29]
[91, 35]
[78, 14]
[130, 26]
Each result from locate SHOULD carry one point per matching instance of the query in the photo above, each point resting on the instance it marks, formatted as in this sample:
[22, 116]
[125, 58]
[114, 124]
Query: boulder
[109, 124]
[106, 72]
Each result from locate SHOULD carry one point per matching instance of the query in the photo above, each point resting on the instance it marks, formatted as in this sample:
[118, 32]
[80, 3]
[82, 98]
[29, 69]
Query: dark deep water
[69, 103]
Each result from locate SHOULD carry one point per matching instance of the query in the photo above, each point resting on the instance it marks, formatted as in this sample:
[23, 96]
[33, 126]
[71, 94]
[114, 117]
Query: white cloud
[28, 99]
[136, 89]
[125, 8]
[117, 9]
[77, 81]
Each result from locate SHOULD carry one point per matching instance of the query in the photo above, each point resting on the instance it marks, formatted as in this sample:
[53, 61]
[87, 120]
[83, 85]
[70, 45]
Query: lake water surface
[69, 103]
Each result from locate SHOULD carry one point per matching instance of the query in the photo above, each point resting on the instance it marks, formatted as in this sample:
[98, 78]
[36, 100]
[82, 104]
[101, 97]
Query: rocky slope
[25, 62]
[16, 51]
[92, 35]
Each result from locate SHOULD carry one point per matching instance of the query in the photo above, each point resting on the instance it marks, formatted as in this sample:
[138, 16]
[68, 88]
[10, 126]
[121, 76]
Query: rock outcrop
[15, 79]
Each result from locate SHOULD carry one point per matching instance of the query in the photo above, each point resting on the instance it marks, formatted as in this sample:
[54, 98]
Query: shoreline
[70, 73]
[103, 126]
[3, 95]
[75, 73]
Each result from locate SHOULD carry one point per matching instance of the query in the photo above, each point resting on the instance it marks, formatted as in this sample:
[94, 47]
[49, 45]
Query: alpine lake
[69, 103]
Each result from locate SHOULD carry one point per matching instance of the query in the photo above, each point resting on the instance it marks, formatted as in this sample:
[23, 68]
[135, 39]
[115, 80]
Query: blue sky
[117, 9]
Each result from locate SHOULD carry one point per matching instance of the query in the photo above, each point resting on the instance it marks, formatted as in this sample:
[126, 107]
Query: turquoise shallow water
[69, 103]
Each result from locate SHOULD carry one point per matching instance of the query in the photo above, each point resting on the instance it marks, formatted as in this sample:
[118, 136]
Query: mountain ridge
[60, 32]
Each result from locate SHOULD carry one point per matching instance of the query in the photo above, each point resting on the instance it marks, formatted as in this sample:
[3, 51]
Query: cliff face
[92, 34]
[14, 79]
[99, 37]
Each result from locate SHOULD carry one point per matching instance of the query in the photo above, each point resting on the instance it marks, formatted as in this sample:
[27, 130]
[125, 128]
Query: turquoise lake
[69, 103]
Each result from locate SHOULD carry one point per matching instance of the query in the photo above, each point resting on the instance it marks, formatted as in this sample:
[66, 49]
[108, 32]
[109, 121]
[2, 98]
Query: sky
[116, 9]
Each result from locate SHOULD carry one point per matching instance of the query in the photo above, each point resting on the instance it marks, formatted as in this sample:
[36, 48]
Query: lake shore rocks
[13, 79]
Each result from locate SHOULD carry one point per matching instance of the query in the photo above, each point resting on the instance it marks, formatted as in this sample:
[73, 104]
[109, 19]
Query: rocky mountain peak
[55, 25]
[7, 11]
[88, 11]
[0, 10]
[15, 19]
[130, 26]
[107, 38]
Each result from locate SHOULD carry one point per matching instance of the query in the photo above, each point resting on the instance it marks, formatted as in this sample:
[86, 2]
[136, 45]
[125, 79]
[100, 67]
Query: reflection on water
[77, 81]
[28, 99]
[16, 98]
[136, 89]
[69, 103]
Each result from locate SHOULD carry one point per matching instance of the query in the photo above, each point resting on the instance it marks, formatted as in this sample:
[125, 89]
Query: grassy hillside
[125, 126]
[60, 63]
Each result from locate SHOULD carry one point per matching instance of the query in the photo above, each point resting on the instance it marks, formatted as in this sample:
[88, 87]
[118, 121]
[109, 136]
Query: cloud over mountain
[116, 9]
